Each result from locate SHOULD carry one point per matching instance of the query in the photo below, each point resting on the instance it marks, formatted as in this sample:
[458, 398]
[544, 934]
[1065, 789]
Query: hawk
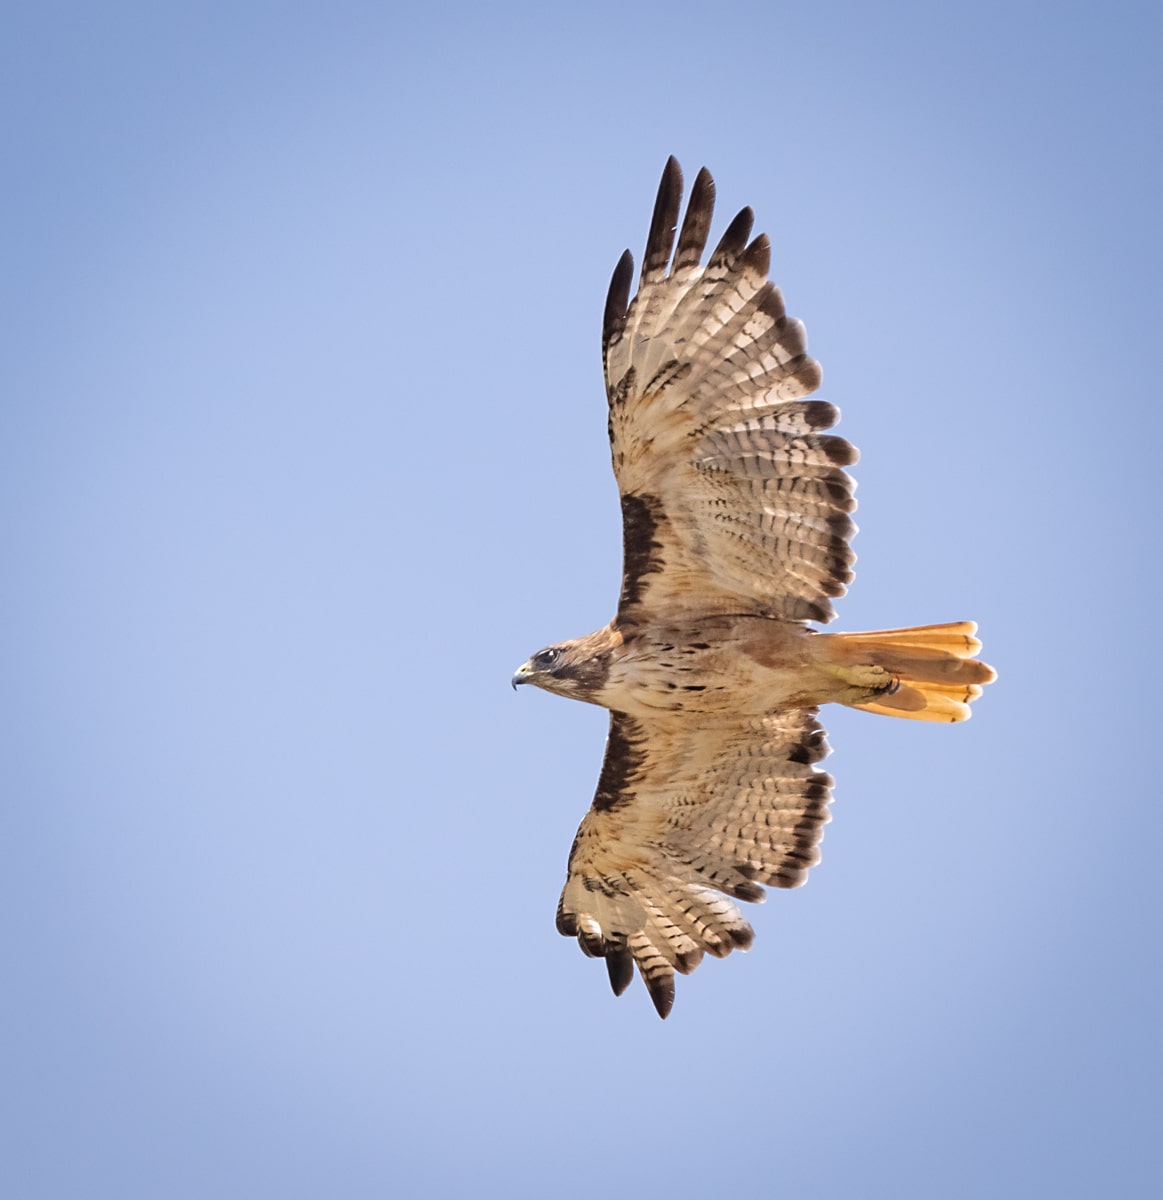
[736, 522]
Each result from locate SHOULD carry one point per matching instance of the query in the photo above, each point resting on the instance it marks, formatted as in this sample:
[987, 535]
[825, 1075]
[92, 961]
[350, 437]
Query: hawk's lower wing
[684, 818]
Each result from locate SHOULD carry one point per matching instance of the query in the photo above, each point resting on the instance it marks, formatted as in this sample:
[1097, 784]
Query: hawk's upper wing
[732, 499]
[685, 812]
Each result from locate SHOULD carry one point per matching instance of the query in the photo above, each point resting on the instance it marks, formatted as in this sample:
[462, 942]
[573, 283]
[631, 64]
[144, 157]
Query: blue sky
[302, 450]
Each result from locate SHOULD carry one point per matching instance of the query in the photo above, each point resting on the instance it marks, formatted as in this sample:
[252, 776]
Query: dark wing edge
[683, 823]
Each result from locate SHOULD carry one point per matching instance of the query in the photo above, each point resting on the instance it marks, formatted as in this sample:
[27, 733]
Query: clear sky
[302, 451]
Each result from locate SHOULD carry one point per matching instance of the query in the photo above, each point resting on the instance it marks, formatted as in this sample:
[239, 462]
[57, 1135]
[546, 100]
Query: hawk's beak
[522, 674]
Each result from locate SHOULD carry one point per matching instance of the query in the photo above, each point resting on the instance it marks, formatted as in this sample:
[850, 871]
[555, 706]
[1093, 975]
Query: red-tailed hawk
[735, 519]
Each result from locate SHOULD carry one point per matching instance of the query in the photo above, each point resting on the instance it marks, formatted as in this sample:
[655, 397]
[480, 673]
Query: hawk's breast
[730, 665]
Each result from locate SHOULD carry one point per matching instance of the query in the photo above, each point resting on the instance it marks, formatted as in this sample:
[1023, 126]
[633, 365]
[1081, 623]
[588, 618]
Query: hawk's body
[735, 527]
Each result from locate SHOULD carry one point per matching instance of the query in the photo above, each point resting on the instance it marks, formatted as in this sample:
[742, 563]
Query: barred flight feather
[696, 226]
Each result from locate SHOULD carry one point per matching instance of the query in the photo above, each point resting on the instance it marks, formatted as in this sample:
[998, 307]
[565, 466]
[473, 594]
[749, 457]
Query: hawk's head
[577, 668]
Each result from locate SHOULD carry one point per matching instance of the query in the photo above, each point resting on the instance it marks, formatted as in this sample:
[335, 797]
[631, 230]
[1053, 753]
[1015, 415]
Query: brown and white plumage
[678, 821]
[735, 529]
[706, 377]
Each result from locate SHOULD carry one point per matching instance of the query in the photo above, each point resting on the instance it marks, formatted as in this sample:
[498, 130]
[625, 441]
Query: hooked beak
[522, 674]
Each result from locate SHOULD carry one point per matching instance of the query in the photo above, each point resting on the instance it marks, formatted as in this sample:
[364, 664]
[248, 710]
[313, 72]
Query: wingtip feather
[696, 225]
[663, 222]
[620, 968]
[617, 299]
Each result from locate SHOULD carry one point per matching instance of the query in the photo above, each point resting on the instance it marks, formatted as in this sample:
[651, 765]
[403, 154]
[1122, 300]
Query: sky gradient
[302, 451]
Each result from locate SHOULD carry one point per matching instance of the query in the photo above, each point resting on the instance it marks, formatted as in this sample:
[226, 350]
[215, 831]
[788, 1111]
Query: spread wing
[684, 818]
[732, 498]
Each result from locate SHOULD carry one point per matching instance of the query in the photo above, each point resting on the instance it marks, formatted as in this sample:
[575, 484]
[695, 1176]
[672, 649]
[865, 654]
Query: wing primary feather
[658, 975]
[620, 967]
[617, 299]
[566, 921]
[696, 225]
[734, 240]
[660, 240]
[757, 258]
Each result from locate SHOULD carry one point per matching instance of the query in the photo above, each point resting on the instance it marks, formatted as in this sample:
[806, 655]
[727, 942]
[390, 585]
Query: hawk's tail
[935, 675]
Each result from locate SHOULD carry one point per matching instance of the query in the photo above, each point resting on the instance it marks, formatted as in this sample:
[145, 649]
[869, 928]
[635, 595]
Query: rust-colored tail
[936, 674]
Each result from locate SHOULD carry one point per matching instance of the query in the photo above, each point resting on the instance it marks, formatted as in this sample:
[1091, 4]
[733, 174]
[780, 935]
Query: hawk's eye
[546, 658]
